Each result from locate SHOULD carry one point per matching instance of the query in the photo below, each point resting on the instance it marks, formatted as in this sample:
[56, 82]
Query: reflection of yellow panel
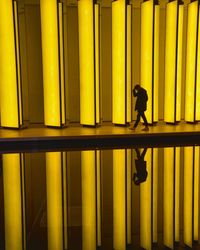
[170, 61]
[88, 200]
[86, 62]
[97, 66]
[188, 194]
[62, 70]
[177, 195]
[179, 63]
[12, 201]
[119, 206]
[196, 194]
[50, 57]
[118, 62]
[54, 200]
[198, 77]
[156, 61]
[145, 207]
[168, 204]
[147, 52]
[98, 167]
[191, 61]
[155, 195]
[129, 180]
[8, 67]
[128, 65]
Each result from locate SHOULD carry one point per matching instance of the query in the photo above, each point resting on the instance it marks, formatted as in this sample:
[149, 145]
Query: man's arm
[135, 92]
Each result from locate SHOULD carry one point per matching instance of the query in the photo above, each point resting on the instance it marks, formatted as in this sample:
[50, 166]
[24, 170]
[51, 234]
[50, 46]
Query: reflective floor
[138, 198]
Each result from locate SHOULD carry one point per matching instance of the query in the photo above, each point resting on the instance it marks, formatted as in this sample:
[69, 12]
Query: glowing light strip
[11, 115]
[12, 201]
[191, 61]
[62, 70]
[98, 167]
[54, 200]
[97, 60]
[128, 65]
[170, 61]
[155, 195]
[147, 52]
[156, 61]
[168, 201]
[179, 62]
[86, 62]
[198, 76]
[129, 181]
[188, 197]
[88, 200]
[146, 206]
[118, 62]
[196, 193]
[177, 194]
[119, 202]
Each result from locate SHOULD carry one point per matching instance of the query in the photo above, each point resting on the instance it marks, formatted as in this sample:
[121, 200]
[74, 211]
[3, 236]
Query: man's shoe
[132, 128]
[145, 129]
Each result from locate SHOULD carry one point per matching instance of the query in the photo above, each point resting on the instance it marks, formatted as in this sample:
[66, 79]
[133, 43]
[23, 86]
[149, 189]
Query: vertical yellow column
[128, 185]
[118, 62]
[128, 62]
[177, 194]
[10, 77]
[188, 196]
[54, 200]
[196, 193]
[168, 201]
[155, 195]
[198, 76]
[146, 75]
[53, 64]
[191, 62]
[88, 22]
[146, 206]
[119, 199]
[89, 235]
[98, 167]
[13, 215]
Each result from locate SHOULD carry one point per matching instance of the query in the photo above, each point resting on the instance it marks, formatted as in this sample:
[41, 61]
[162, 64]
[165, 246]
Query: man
[141, 167]
[140, 106]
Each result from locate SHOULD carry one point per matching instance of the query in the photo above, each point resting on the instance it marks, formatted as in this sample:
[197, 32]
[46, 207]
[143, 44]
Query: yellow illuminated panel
[8, 67]
[177, 194]
[188, 194]
[98, 167]
[156, 61]
[170, 61]
[179, 63]
[198, 77]
[88, 200]
[54, 200]
[196, 194]
[128, 65]
[12, 201]
[118, 62]
[97, 66]
[147, 52]
[86, 62]
[168, 201]
[62, 70]
[155, 195]
[129, 180]
[50, 62]
[191, 61]
[119, 202]
[146, 206]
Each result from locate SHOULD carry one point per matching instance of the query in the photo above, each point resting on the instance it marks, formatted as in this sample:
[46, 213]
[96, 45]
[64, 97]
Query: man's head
[137, 87]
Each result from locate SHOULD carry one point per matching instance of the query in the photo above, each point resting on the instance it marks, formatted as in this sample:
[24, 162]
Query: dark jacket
[142, 98]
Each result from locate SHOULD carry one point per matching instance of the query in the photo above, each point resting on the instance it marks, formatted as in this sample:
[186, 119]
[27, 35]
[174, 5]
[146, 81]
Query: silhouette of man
[141, 165]
[140, 106]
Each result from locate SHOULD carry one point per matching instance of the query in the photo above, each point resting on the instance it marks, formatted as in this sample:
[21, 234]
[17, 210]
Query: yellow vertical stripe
[198, 76]
[196, 194]
[86, 62]
[177, 194]
[118, 62]
[54, 200]
[98, 167]
[129, 180]
[155, 195]
[190, 61]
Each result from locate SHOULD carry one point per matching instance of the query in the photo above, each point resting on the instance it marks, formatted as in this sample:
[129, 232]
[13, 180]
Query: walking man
[140, 106]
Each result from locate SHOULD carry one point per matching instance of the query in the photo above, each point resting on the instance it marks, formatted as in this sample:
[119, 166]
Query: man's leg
[136, 122]
[145, 121]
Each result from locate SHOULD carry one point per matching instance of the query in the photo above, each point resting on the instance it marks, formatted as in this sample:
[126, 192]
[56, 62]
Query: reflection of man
[140, 106]
[140, 164]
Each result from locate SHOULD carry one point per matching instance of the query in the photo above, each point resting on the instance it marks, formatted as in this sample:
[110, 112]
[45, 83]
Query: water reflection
[112, 199]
